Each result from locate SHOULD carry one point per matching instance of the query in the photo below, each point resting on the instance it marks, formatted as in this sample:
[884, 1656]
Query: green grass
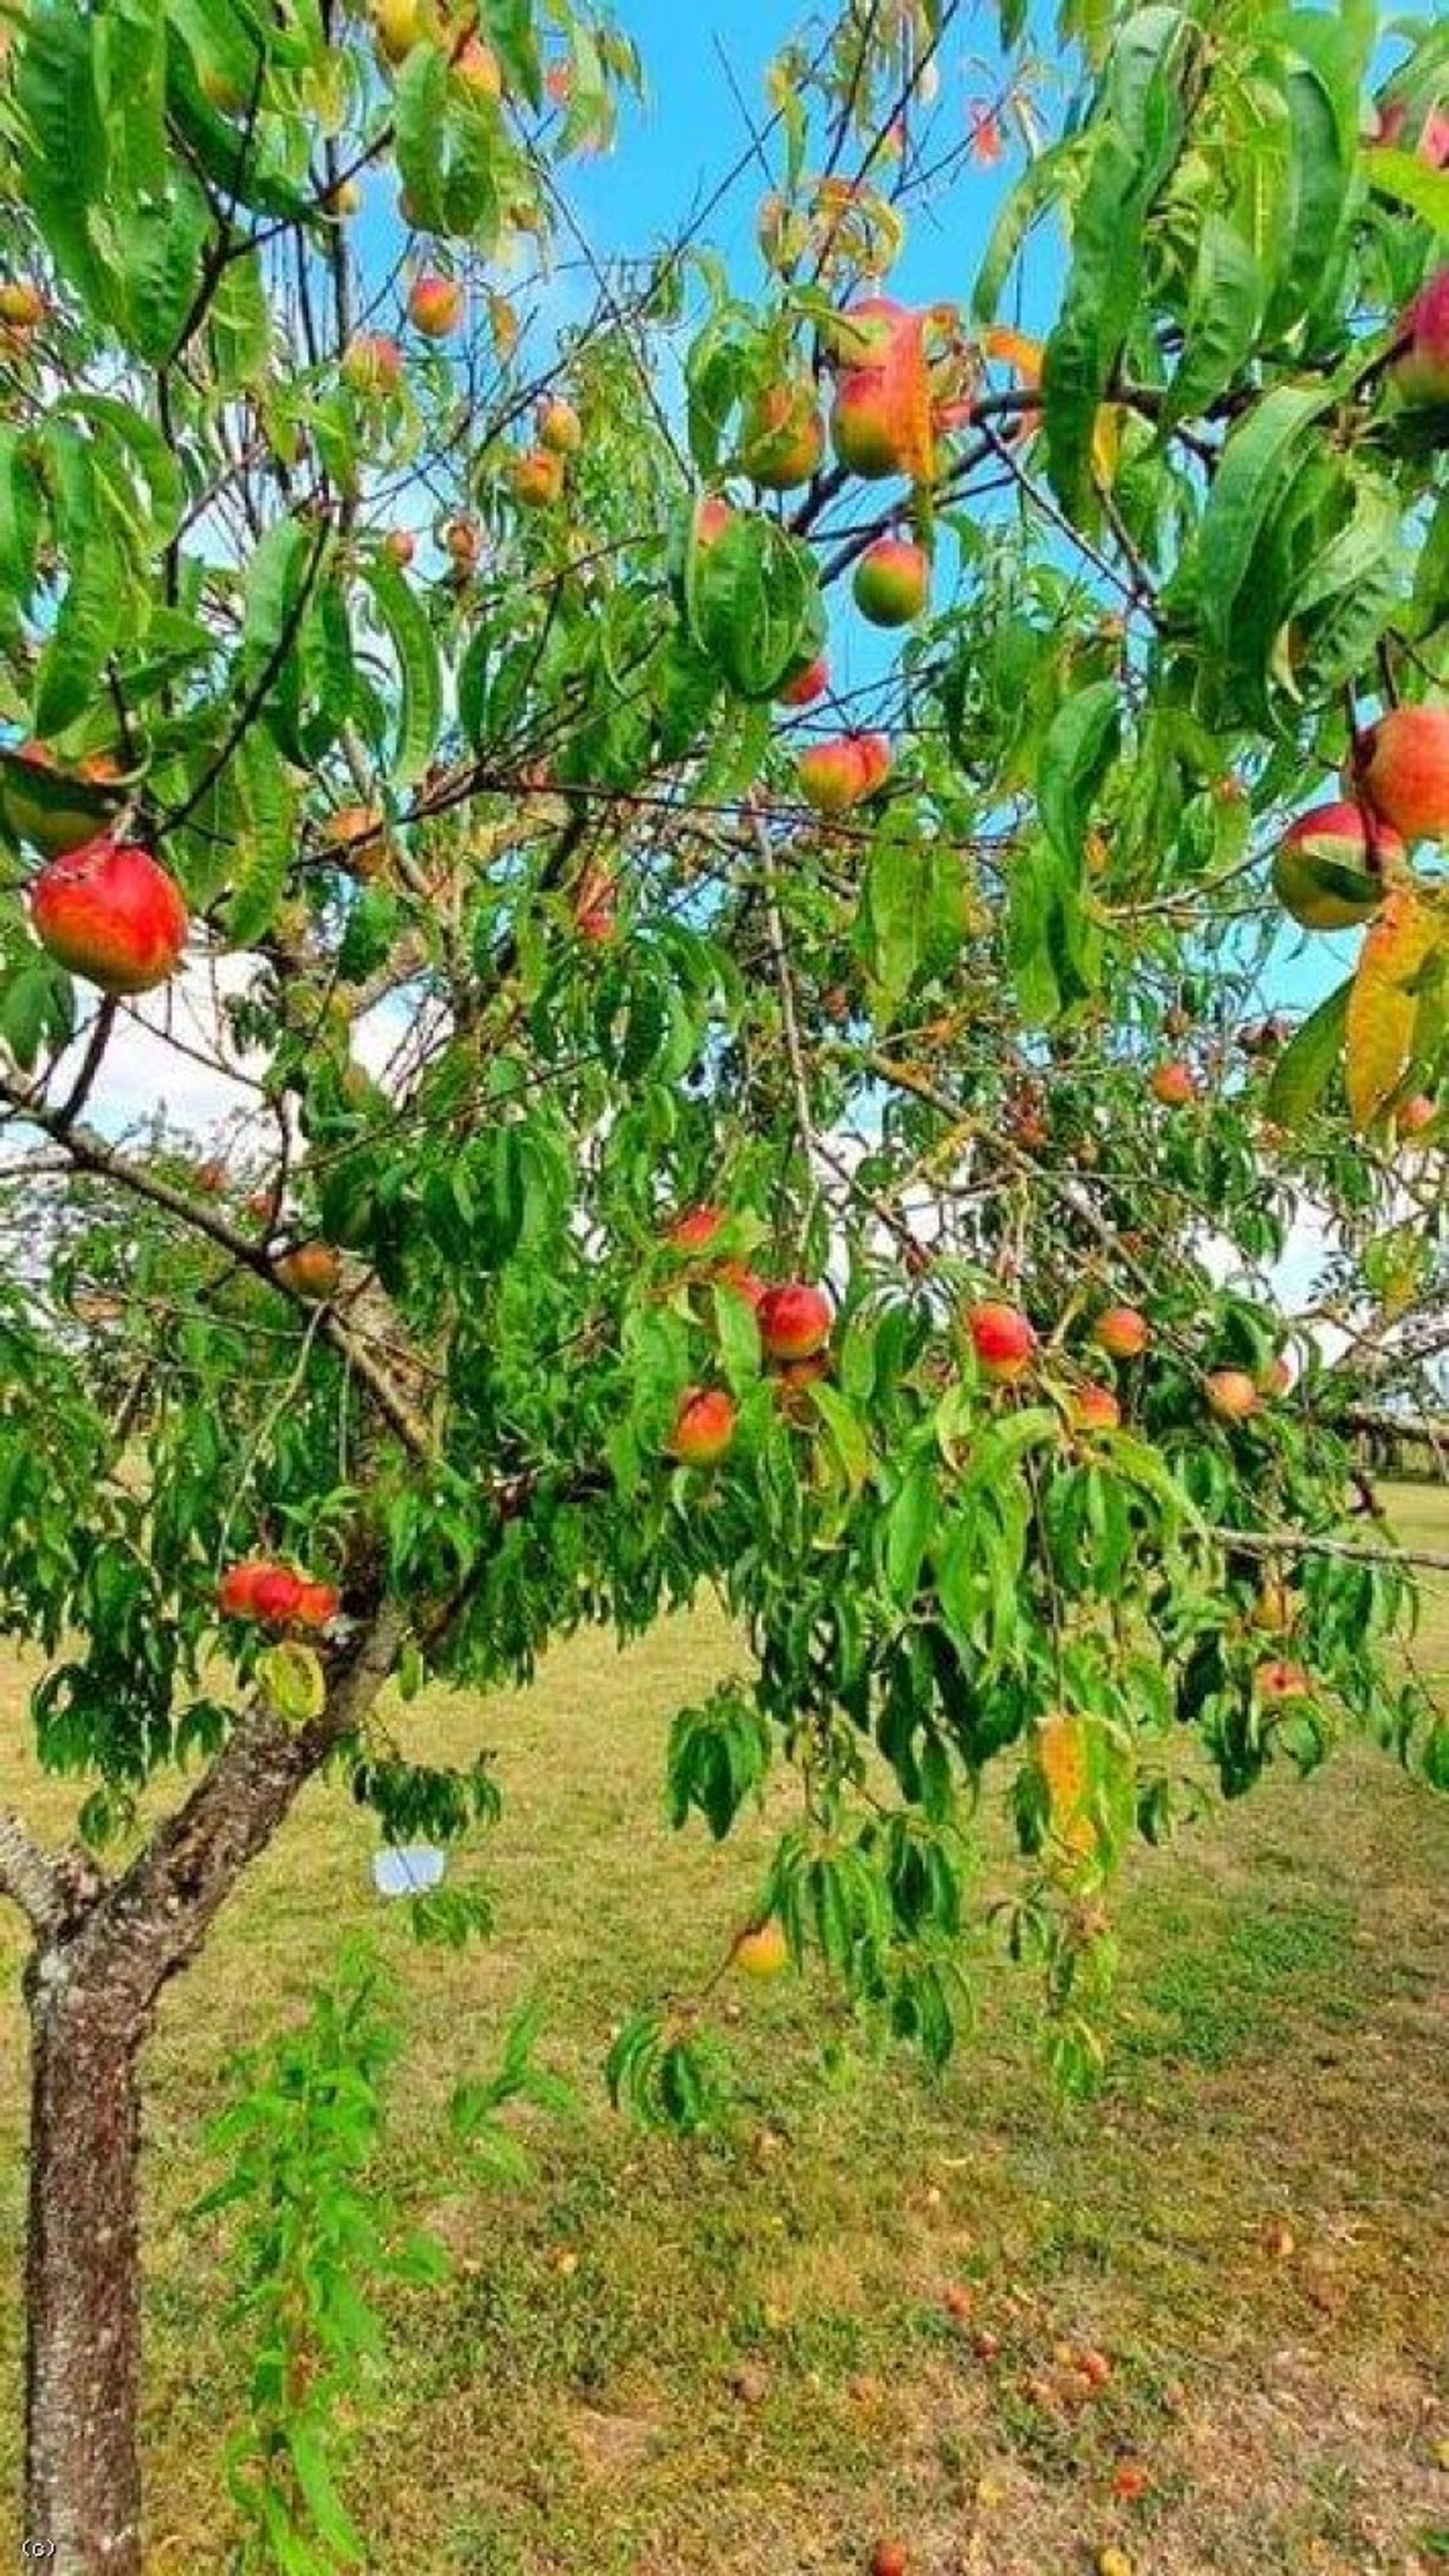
[567, 2404]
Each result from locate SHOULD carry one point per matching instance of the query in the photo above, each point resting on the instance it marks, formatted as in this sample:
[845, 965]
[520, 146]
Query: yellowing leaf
[294, 1683]
[1383, 1006]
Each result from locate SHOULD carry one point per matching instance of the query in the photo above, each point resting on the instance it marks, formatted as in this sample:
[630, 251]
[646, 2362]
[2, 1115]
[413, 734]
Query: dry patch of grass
[662, 2360]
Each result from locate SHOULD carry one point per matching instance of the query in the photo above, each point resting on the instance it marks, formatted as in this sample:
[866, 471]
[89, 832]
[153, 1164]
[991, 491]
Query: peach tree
[740, 862]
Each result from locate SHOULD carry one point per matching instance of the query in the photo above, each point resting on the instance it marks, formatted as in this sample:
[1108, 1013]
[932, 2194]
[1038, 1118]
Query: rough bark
[82, 2280]
[92, 1987]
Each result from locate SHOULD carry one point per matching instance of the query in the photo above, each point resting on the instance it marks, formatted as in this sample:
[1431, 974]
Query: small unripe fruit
[400, 545]
[354, 835]
[711, 519]
[560, 429]
[311, 1271]
[1327, 867]
[795, 1320]
[763, 1951]
[1232, 1394]
[745, 1282]
[1279, 1681]
[462, 542]
[1272, 1612]
[1402, 766]
[477, 67]
[1113, 2562]
[537, 477]
[1174, 1084]
[892, 582]
[695, 1230]
[1416, 1114]
[372, 365]
[435, 305]
[1122, 1332]
[704, 1426]
[1095, 1408]
[1002, 1338]
[806, 686]
[110, 912]
[22, 304]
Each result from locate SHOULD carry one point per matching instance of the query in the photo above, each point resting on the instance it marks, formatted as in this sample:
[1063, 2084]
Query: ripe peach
[713, 515]
[311, 1270]
[836, 775]
[110, 912]
[1231, 1394]
[1122, 1332]
[1402, 767]
[795, 1320]
[1280, 1681]
[537, 477]
[695, 1230]
[889, 2558]
[1327, 867]
[892, 582]
[435, 305]
[463, 543]
[806, 686]
[1174, 1084]
[704, 1426]
[559, 427]
[399, 545]
[1002, 1338]
[1094, 1408]
[783, 437]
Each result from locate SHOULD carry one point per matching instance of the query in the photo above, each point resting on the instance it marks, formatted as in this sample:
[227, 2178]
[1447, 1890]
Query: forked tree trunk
[83, 2479]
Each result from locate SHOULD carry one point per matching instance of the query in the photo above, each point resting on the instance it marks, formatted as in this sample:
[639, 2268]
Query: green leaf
[420, 700]
[65, 165]
[1410, 182]
[1080, 746]
[1223, 313]
[1259, 461]
[1307, 1064]
[420, 119]
[1102, 291]
[89, 624]
[752, 595]
[911, 917]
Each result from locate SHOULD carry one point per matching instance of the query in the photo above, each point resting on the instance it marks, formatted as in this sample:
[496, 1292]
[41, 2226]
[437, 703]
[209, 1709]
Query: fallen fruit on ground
[111, 913]
[763, 1950]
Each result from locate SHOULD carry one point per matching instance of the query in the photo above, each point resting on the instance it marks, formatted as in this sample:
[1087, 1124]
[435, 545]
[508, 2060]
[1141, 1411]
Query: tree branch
[154, 1920]
[50, 1888]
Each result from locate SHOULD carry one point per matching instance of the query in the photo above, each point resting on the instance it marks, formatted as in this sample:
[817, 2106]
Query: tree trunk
[83, 2478]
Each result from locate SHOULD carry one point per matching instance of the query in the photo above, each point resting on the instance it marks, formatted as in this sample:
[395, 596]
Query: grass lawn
[664, 2360]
